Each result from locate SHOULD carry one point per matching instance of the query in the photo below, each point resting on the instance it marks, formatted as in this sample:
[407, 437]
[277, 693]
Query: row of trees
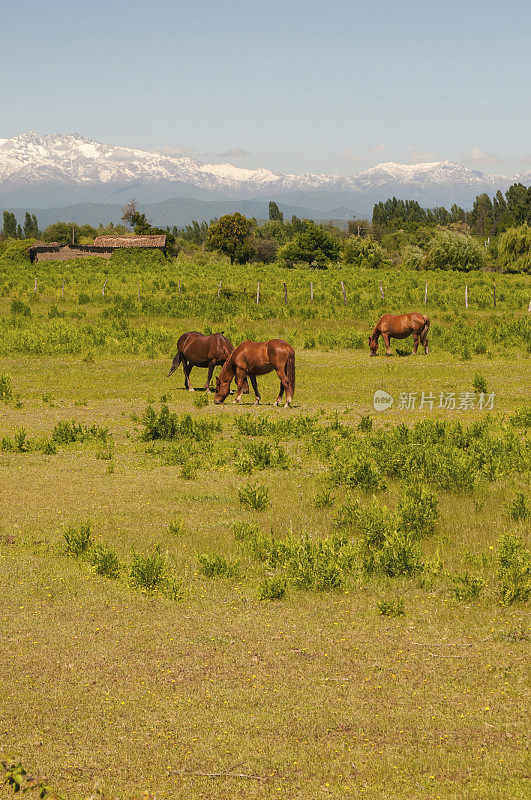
[401, 233]
[12, 230]
[487, 217]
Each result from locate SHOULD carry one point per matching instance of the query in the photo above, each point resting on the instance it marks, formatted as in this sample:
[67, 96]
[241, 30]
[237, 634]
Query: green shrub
[464, 587]
[417, 510]
[148, 572]
[514, 570]
[169, 426]
[83, 299]
[216, 566]
[201, 400]
[390, 608]
[479, 383]
[6, 388]
[325, 498]
[365, 423]
[18, 307]
[364, 252]
[453, 250]
[188, 471]
[518, 509]
[273, 588]
[411, 257]
[78, 541]
[244, 531]
[255, 496]
[68, 431]
[104, 560]
[515, 249]
[176, 527]
[355, 471]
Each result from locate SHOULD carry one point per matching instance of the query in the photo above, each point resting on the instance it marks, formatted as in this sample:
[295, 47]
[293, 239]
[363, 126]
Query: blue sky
[291, 86]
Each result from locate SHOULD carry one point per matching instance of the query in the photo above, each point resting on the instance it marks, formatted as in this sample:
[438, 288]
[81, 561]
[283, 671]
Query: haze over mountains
[66, 176]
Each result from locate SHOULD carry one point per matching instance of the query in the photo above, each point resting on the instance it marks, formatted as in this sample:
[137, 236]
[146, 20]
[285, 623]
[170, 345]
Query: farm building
[103, 246]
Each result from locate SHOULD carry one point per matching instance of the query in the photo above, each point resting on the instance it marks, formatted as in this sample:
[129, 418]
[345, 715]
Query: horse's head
[373, 346]
[222, 390]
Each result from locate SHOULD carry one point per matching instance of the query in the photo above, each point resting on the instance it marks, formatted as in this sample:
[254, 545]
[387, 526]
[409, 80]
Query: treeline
[488, 217]
[494, 234]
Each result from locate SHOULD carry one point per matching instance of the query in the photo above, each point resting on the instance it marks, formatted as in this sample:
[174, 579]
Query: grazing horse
[400, 327]
[250, 359]
[197, 350]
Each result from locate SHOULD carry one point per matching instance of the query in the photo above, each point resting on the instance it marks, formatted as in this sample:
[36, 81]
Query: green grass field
[204, 690]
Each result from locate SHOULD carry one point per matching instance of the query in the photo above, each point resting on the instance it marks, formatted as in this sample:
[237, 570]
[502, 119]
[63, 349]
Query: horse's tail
[290, 370]
[425, 328]
[176, 361]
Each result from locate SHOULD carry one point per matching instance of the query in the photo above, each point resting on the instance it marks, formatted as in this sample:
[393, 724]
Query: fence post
[529, 308]
[285, 294]
[104, 285]
[35, 289]
[179, 287]
[466, 296]
[381, 291]
[311, 290]
[344, 293]
[219, 289]
[425, 294]
[494, 295]
[258, 293]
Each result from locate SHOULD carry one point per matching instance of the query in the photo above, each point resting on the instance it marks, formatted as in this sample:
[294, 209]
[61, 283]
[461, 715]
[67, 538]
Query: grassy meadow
[227, 602]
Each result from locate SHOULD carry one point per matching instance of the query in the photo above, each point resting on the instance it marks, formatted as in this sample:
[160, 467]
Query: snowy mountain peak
[70, 165]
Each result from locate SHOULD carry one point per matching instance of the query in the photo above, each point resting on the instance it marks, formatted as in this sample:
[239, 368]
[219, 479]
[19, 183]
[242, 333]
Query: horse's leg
[255, 389]
[385, 337]
[416, 344]
[240, 383]
[424, 341]
[211, 366]
[187, 382]
[284, 387]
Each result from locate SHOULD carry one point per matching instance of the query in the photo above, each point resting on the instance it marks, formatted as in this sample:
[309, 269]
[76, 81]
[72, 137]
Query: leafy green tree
[481, 218]
[196, 233]
[359, 227]
[230, 235]
[438, 216]
[9, 230]
[398, 213]
[31, 227]
[457, 213]
[452, 250]
[364, 252]
[519, 203]
[61, 232]
[515, 249]
[142, 226]
[311, 245]
[139, 222]
[263, 250]
[274, 229]
[275, 215]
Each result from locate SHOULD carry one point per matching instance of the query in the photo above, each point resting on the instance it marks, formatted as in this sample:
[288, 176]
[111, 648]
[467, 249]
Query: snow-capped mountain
[42, 171]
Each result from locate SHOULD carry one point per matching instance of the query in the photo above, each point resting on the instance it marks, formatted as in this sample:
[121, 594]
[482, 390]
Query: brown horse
[400, 327]
[250, 359]
[197, 350]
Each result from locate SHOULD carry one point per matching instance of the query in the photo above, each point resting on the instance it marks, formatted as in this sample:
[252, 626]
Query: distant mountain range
[63, 175]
